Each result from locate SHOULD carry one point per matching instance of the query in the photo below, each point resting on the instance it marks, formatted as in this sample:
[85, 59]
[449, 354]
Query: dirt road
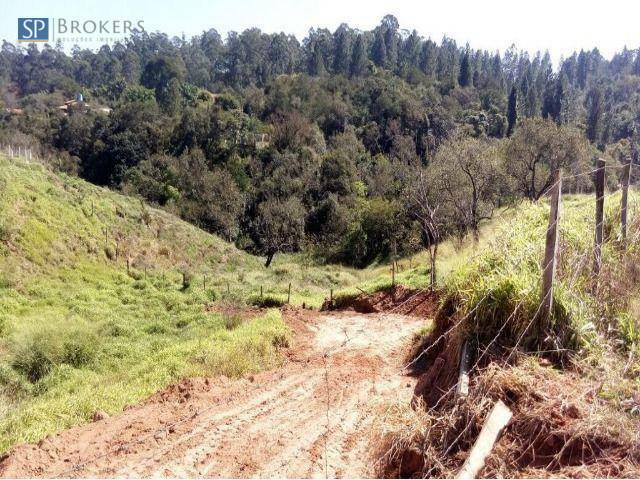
[310, 418]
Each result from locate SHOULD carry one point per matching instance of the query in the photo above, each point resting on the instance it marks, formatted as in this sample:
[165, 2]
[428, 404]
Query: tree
[465, 76]
[468, 174]
[379, 52]
[538, 148]
[512, 111]
[422, 202]
[158, 75]
[278, 226]
[359, 58]
[595, 109]
[343, 46]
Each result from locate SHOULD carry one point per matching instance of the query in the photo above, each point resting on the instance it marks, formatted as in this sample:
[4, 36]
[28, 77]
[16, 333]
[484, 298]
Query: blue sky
[557, 25]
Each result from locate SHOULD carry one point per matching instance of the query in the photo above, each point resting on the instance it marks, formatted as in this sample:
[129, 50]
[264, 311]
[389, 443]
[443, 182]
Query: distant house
[79, 104]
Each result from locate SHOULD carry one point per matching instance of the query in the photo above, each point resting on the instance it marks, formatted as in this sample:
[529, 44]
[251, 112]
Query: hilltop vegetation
[286, 146]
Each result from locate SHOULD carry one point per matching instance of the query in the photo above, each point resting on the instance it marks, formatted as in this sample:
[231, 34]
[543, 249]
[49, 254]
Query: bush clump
[35, 354]
[266, 301]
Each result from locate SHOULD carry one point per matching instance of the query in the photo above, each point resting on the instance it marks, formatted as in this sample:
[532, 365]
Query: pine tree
[636, 63]
[465, 76]
[594, 115]
[359, 57]
[512, 111]
[342, 54]
[558, 100]
[316, 66]
[379, 52]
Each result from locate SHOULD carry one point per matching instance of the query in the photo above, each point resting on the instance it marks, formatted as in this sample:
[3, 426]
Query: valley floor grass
[113, 342]
[80, 330]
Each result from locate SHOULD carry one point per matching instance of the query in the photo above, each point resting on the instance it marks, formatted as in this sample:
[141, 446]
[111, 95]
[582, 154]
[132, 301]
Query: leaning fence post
[600, 171]
[551, 247]
[393, 273]
[626, 175]
[495, 422]
[462, 390]
[289, 294]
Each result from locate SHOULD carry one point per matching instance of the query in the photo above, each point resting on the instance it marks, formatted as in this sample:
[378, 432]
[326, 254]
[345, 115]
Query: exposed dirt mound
[560, 428]
[397, 299]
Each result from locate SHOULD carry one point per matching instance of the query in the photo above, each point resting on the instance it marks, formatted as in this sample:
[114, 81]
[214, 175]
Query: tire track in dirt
[271, 425]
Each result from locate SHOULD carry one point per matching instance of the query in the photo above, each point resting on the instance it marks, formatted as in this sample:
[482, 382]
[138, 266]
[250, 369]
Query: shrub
[78, 350]
[5, 231]
[115, 329]
[155, 328]
[232, 321]
[266, 301]
[110, 253]
[187, 278]
[35, 354]
[12, 384]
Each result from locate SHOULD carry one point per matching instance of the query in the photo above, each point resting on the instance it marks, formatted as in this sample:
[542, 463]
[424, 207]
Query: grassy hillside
[81, 332]
[572, 384]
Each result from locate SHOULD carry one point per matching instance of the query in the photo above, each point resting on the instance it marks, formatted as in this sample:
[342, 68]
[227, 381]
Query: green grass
[500, 286]
[80, 332]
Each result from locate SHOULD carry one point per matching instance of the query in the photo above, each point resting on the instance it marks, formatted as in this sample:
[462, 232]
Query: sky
[559, 26]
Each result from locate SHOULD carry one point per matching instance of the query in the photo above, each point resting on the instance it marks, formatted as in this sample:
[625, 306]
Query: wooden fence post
[393, 273]
[289, 294]
[497, 419]
[626, 175]
[331, 296]
[600, 174]
[462, 390]
[550, 251]
[260, 291]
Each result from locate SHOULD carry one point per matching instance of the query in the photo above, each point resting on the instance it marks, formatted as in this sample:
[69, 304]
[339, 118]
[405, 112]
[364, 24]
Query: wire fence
[27, 155]
[19, 152]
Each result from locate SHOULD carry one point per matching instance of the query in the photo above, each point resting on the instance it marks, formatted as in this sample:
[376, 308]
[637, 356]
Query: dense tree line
[280, 145]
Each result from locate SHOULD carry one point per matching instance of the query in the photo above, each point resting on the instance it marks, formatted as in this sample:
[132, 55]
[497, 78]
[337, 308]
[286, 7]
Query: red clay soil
[311, 417]
[398, 299]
